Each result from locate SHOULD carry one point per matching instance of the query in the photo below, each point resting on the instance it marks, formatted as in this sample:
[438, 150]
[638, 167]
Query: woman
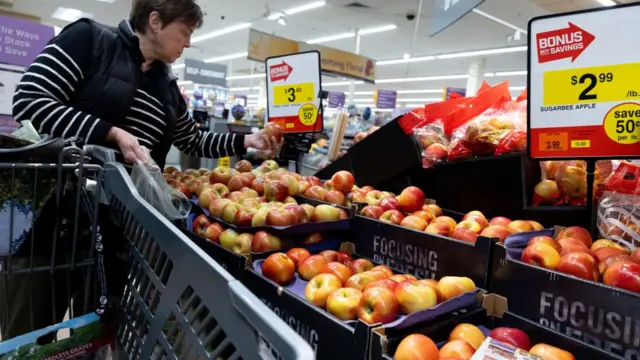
[111, 87]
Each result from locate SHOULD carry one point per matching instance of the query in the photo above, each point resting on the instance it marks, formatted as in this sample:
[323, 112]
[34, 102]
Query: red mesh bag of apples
[489, 123]
[619, 207]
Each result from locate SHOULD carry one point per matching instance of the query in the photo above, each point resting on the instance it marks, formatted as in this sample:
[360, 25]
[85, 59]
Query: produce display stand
[594, 313]
[493, 314]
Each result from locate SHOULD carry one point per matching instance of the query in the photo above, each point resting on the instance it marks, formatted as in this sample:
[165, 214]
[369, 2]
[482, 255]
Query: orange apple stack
[464, 341]
[356, 289]
[573, 252]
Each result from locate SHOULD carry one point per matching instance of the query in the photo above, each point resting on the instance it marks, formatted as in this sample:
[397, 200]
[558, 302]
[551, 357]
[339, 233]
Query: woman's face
[171, 41]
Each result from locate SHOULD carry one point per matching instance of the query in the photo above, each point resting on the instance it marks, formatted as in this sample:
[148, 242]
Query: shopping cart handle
[100, 153]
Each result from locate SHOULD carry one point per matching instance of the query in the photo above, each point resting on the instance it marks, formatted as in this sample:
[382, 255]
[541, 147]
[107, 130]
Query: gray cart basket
[179, 303]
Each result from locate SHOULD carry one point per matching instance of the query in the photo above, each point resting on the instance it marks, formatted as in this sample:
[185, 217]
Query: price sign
[293, 85]
[584, 90]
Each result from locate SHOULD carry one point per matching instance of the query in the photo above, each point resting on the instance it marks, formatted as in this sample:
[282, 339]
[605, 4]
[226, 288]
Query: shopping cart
[177, 303]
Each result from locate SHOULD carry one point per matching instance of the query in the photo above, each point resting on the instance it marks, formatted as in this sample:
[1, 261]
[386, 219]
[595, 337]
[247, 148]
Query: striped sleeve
[190, 140]
[47, 87]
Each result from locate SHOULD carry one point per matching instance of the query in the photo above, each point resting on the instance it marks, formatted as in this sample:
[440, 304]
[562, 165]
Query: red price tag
[553, 141]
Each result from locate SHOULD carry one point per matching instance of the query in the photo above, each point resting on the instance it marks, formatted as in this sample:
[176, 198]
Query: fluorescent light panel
[404, 60]
[227, 57]
[607, 2]
[220, 32]
[377, 29]
[331, 38]
[310, 6]
[69, 14]
[250, 76]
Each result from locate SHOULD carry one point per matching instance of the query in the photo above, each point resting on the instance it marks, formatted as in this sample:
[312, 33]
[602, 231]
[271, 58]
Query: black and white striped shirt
[44, 95]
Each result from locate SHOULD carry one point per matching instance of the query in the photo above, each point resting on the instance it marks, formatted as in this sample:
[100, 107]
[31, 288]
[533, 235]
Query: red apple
[518, 226]
[402, 277]
[469, 333]
[570, 245]
[275, 190]
[389, 203]
[200, 225]
[473, 213]
[343, 303]
[372, 211]
[320, 287]
[635, 255]
[309, 209]
[436, 152]
[298, 255]
[236, 183]
[361, 280]
[263, 241]
[439, 228]
[500, 220]
[417, 347]
[433, 208]
[624, 275]
[536, 225]
[480, 220]
[314, 180]
[545, 351]
[274, 130]
[279, 268]
[414, 222]
[579, 264]
[411, 199]
[236, 196]
[330, 255]
[541, 254]
[464, 234]
[229, 212]
[392, 217]
[341, 271]
[345, 258]
[244, 217]
[603, 253]
[292, 184]
[280, 217]
[258, 185]
[499, 232]
[604, 243]
[452, 286]
[386, 283]
[206, 197]
[220, 175]
[216, 207]
[578, 233]
[213, 231]
[385, 269]
[312, 266]
[221, 189]
[239, 244]
[298, 212]
[335, 197]
[357, 196]
[414, 296]
[360, 265]
[343, 214]
[547, 240]
[425, 215]
[378, 305]
[343, 181]
[243, 166]
[457, 349]
[471, 225]
[511, 336]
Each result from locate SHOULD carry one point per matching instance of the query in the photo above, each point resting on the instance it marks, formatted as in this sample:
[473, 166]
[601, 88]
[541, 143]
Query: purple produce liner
[298, 285]
[515, 244]
[307, 228]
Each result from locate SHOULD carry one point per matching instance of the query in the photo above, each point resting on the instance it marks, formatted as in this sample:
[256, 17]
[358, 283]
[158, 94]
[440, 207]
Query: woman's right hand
[131, 150]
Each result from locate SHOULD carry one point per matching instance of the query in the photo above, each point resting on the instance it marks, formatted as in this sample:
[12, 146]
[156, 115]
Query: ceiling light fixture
[422, 78]
[499, 21]
[249, 76]
[310, 6]
[282, 21]
[406, 56]
[331, 38]
[377, 29]
[227, 57]
[220, 32]
[454, 55]
[275, 16]
[405, 60]
[70, 15]
[511, 73]
[607, 2]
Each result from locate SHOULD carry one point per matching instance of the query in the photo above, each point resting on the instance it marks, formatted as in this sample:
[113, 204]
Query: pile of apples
[464, 341]
[409, 210]
[356, 289]
[573, 252]
[334, 191]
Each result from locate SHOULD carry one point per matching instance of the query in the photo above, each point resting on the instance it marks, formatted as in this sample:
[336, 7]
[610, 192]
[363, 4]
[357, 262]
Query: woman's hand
[131, 150]
[260, 141]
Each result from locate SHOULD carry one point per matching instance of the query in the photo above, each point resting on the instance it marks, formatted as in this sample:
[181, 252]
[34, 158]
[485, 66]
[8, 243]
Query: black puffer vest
[108, 91]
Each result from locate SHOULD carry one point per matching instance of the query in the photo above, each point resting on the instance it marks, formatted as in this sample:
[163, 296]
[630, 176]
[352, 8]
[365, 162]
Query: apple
[392, 217]
[518, 226]
[330, 255]
[220, 175]
[480, 220]
[203, 171]
[372, 211]
[275, 190]
[425, 215]
[334, 197]
[243, 166]
[436, 152]
[439, 228]
[274, 130]
[541, 254]
[361, 280]
[373, 197]
[603, 253]
[547, 240]
[378, 305]
[320, 287]
[260, 217]
[471, 225]
[511, 336]
[387, 283]
[345, 258]
[635, 255]
[434, 285]
[252, 204]
[200, 224]
[313, 238]
[434, 209]
[249, 193]
[187, 179]
[263, 241]
[417, 347]
[235, 184]
[279, 268]
[570, 245]
[579, 264]
[216, 207]
[221, 189]
[315, 192]
[314, 180]
[414, 296]
[343, 303]
[447, 220]
[298, 212]
[197, 185]
[536, 225]
[608, 262]
[230, 240]
[496, 231]
[576, 232]
[358, 196]
[464, 234]
[469, 333]
[325, 213]
[457, 349]
[624, 275]
[297, 255]
[244, 216]
[309, 210]
[236, 196]
[213, 232]
[414, 222]
[258, 185]
[341, 271]
[550, 352]
[360, 265]
[411, 199]
[385, 269]
[280, 217]
[312, 266]
[343, 214]
[229, 212]
[500, 220]
[271, 164]
[292, 184]
[452, 286]
[547, 191]
[184, 189]
[473, 213]
[342, 181]
[389, 203]
[170, 170]
[303, 186]
[603, 243]
[401, 277]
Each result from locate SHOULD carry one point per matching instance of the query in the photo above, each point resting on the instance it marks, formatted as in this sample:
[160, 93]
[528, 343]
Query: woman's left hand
[260, 141]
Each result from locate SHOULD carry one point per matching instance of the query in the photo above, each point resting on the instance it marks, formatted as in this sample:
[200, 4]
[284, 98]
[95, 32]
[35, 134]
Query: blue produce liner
[307, 228]
[516, 243]
[463, 301]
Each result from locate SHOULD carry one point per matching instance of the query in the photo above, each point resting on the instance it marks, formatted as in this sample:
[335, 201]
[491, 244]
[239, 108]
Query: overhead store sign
[336, 99]
[447, 12]
[584, 97]
[293, 84]
[385, 99]
[204, 73]
[22, 40]
[333, 61]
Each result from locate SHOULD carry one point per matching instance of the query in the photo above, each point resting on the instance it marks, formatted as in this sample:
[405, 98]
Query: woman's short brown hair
[186, 11]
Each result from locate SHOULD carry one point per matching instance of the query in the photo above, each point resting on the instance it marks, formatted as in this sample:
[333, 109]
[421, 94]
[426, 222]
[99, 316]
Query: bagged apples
[619, 207]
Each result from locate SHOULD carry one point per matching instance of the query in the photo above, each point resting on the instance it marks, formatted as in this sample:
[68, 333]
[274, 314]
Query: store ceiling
[473, 32]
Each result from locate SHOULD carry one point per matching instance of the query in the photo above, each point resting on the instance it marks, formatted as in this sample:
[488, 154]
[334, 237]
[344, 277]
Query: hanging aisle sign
[293, 84]
[584, 84]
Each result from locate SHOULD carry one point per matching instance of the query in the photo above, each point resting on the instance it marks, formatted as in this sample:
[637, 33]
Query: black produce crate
[424, 255]
[341, 163]
[599, 315]
[230, 261]
[384, 346]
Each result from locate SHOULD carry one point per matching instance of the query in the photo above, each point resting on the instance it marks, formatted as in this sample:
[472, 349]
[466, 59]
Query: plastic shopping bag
[152, 186]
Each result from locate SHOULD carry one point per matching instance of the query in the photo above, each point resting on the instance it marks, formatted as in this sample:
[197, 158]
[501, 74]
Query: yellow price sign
[293, 94]
[622, 123]
[223, 162]
[580, 144]
[308, 114]
[612, 83]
